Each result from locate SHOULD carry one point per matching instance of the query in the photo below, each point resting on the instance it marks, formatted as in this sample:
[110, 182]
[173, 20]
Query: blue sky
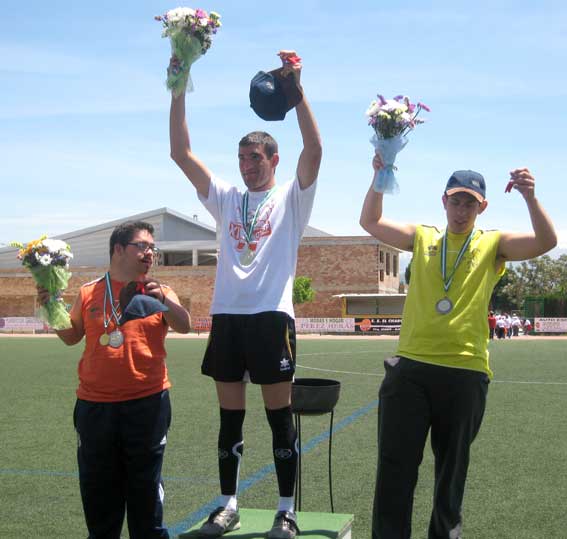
[84, 109]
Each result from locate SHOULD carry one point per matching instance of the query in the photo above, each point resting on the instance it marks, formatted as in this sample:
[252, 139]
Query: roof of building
[90, 244]
[137, 217]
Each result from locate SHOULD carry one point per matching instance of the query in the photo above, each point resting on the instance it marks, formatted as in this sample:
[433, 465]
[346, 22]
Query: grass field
[517, 485]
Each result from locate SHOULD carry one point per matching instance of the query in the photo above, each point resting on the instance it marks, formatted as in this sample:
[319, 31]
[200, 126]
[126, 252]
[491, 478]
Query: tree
[501, 300]
[407, 273]
[539, 277]
[302, 291]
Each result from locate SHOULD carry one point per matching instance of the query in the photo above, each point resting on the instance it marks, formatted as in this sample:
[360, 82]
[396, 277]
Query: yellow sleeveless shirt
[459, 338]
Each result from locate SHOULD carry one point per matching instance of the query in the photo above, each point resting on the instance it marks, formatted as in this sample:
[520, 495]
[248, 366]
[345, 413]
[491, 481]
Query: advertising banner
[550, 325]
[202, 323]
[324, 325]
[390, 324]
[21, 323]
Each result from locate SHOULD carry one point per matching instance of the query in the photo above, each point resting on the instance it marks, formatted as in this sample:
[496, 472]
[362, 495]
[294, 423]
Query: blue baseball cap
[141, 306]
[467, 181]
[272, 95]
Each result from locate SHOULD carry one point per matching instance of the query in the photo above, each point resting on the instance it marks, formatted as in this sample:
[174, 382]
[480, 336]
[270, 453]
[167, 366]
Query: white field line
[528, 382]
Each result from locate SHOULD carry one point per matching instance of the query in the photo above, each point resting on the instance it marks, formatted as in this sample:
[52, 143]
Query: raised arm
[310, 157]
[523, 246]
[197, 173]
[397, 235]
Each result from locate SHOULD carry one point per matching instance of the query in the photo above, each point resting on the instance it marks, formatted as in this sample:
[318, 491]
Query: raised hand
[291, 63]
[522, 180]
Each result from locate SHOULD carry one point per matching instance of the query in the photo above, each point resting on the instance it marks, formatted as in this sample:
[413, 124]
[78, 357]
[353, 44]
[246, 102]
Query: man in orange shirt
[123, 412]
[491, 324]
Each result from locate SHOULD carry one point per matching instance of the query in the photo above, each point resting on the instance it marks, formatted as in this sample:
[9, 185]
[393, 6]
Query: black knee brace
[230, 447]
[284, 443]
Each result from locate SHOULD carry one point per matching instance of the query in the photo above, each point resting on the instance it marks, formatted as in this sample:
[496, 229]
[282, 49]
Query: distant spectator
[508, 325]
[491, 324]
[516, 324]
[501, 326]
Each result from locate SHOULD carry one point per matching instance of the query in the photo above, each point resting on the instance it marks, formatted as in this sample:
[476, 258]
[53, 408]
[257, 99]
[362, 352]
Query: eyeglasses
[144, 246]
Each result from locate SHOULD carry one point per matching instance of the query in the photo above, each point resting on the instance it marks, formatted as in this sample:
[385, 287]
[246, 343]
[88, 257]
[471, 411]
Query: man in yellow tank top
[439, 378]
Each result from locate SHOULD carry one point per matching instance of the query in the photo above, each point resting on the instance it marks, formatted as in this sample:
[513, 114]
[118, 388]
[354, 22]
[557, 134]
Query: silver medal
[116, 339]
[444, 306]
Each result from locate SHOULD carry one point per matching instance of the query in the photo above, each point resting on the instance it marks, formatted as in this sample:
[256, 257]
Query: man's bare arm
[523, 246]
[399, 235]
[177, 317]
[310, 157]
[197, 173]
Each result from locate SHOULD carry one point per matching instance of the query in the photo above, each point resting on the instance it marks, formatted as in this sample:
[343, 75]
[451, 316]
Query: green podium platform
[256, 522]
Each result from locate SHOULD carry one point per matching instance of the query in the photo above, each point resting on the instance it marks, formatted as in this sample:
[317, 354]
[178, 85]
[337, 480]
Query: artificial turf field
[517, 486]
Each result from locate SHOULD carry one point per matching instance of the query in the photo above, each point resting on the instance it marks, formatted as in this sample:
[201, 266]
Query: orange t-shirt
[134, 370]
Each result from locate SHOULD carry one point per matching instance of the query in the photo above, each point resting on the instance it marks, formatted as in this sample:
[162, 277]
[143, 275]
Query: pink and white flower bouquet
[190, 32]
[391, 120]
[48, 261]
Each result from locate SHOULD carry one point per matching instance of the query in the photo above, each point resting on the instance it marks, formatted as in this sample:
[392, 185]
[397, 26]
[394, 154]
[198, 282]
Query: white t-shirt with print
[267, 283]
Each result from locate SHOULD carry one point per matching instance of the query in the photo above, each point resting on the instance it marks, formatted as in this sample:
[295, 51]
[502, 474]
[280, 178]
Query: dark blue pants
[120, 454]
[415, 398]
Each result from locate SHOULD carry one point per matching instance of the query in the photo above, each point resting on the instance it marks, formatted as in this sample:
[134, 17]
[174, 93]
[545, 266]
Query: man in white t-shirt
[516, 324]
[253, 331]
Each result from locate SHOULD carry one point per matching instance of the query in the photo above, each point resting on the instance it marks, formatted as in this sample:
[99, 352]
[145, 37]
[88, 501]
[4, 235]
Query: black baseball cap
[467, 181]
[272, 95]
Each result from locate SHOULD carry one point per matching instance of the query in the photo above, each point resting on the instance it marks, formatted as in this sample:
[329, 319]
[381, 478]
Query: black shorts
[262, 344]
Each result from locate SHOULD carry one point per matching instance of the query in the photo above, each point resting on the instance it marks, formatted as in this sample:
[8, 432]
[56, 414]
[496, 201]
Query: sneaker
[220, 521]
[285, 526]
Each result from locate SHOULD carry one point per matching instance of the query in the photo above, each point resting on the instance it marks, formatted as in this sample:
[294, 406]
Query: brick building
[336, 265]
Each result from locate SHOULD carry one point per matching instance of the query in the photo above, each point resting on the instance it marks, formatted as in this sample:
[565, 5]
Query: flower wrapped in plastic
[391, 119]
[190, 32]
[48, 261]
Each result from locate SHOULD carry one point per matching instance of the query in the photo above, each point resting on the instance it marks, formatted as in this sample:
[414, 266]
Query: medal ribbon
[448, 280]
[108, 295]
[249, 227]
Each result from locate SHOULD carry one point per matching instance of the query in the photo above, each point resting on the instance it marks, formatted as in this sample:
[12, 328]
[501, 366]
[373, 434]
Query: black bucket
[314, 396]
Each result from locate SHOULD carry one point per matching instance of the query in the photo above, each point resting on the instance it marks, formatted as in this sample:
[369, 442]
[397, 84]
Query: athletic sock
[229, 502]
[230, 449]
[286, 504]
[284, 440]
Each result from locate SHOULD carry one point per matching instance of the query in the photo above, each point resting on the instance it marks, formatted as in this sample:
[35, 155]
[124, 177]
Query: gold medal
[104, 339]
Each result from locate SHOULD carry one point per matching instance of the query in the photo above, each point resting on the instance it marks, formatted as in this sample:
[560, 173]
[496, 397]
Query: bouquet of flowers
[48, 261]
[190, 32]
[391, 119]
